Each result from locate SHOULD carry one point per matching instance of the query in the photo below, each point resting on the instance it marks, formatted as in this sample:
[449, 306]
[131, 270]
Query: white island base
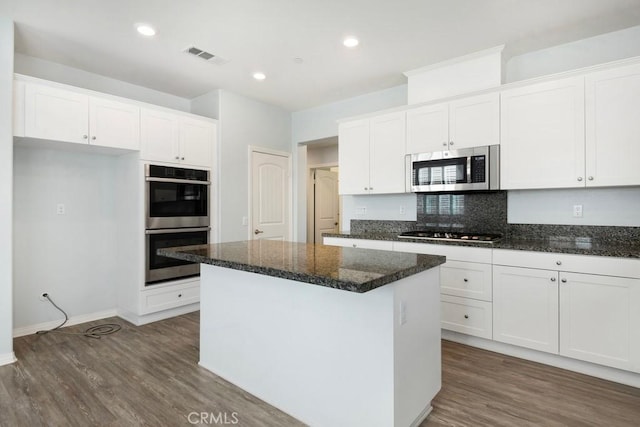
[327, 357]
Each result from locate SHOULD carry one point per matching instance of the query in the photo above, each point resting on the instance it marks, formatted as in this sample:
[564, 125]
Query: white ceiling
[395, 36]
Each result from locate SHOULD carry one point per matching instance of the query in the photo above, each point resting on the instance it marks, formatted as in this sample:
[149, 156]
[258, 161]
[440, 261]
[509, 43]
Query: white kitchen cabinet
[167, 297]
[542, 135]
[372, 155]
[600, 319]
[173, 138]
[463, 123]
[466, 279]
[467, 316]
[384, 245]
[62, 115]
[525, 307]
[612, 127]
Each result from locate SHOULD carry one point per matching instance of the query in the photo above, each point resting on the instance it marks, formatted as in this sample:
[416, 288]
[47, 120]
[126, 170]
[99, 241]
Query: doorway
[324, 203]
[270, 194]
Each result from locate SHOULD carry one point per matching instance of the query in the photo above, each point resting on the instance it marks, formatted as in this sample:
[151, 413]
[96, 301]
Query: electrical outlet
[402, 210]
[60, 210]
[245, 220]
[361, 211]
[577, 211]
[403, 312]
[42, 297]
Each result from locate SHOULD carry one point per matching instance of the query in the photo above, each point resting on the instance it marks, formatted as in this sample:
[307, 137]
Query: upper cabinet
[542, 138]
[62, 115]
[613, 127]
[174, 138]
[467, 122]
[372, 155]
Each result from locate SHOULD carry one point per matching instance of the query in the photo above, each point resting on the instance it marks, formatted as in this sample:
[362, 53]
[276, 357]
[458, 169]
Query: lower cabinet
[154, 300]
[588, 317]
[384, 245]
[466, 315]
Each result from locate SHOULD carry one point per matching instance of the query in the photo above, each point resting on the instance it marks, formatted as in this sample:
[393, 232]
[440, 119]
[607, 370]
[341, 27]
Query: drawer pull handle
[466, 316]
[553, 279]
[564, 280]
[558, 262]
[465, 279]
[179, 295]
[354, 245]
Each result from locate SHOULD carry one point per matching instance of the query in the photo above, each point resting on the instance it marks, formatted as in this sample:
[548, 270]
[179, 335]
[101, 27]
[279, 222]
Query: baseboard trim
[599, 371]
[7, 358]
[75, 320]
[140, 320]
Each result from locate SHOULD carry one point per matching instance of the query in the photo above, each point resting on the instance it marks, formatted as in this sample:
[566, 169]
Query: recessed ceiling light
[259, 76]
[146, 30]
[351, 42]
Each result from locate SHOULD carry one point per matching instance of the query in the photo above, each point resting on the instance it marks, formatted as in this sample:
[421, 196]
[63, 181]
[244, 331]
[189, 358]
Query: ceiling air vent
[209, 57]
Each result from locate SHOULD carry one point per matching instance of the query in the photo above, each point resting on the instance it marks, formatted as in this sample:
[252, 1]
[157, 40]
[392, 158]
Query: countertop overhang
[349, 269]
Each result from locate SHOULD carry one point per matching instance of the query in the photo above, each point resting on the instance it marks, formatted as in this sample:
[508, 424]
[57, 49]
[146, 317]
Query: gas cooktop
[450, 236]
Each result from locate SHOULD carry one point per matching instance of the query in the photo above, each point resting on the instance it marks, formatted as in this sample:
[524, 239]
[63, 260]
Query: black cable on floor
[97, 331]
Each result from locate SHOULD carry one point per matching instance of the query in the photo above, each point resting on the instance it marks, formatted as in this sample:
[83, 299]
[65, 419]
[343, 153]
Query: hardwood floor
[149, 375]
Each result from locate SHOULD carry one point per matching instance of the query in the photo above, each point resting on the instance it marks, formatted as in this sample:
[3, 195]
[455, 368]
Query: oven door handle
[178, 181]
[176, 230]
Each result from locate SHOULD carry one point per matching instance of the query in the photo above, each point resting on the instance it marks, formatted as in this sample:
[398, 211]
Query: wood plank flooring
[148, 376]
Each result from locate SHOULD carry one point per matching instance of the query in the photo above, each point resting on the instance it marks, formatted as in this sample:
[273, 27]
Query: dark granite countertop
[578, 246]
[349, 269]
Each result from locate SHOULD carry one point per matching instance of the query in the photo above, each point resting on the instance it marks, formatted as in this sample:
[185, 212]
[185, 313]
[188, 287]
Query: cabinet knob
[181, 158]
[590, 178]
[451, 143]
[366, 188]
[579, 178]
[558, 262]
[564, 280]
[93, 138]
[444, 144]
[179, 295]
[85, 136]
[354, 245]
[370, 188]
[466, 316]
[177, 157]
[465, 279]
[553, 279]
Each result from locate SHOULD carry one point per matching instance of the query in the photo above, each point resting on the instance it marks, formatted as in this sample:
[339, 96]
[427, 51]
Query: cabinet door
[542, 142]
[525, 307]
[197, 138]
[474, 121]
[114, 124]
[159, 136]
[600, 319]
[387, 154]
[427, 129]
[56, 114]
[353, 157]
[613, 128]
[466, 279]
[467, 316]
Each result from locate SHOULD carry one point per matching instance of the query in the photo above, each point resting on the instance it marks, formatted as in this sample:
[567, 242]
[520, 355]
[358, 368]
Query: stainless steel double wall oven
[177, 214]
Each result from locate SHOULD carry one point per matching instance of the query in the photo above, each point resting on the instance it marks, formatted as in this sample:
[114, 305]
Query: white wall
[383, 206]
[324, 155]
[72, 256]
[582, 53]
[244, 122]
[601, 206]
[321, 122]
[53, 71]
[6, 190]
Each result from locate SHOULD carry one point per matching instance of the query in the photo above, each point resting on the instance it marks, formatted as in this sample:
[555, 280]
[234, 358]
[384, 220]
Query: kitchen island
[333, 336]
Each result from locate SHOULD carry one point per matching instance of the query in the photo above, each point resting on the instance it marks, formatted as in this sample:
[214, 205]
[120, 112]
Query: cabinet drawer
[452, 252]
[466, 279]
[166, 298]
[467, 316]
[607, 266]
[358, 243]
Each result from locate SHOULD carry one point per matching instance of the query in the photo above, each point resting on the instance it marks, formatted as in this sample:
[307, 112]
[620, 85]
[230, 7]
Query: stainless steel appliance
[467, 169]
[176, 197]
[177, 214]
[450, 236]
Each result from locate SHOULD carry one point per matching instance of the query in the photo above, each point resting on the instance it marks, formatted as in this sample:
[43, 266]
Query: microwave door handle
[177, 230]
[177, 181]
[469, 169]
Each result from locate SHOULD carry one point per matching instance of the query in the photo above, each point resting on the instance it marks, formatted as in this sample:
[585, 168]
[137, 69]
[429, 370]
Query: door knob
[256, 231]
[335, 223]
[93, 138]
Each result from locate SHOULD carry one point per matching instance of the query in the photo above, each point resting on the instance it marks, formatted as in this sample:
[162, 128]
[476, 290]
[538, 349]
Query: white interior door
[270, 196]
[327, 207]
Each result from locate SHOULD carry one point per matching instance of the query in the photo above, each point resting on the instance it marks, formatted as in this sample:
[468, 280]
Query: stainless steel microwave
[467, 169]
